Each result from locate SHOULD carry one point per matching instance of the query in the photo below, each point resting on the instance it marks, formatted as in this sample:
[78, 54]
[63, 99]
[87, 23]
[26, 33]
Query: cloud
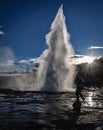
[2, 33]
[1, 26]
[95, 47]
[10, 65]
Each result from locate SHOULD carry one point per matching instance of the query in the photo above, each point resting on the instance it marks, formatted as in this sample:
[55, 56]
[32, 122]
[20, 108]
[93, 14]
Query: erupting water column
[56, 73]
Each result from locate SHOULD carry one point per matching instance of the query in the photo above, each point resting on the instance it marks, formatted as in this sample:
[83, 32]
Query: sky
[24, 24]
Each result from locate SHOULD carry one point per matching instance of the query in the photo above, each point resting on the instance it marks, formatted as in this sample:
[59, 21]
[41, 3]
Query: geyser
[56, 73]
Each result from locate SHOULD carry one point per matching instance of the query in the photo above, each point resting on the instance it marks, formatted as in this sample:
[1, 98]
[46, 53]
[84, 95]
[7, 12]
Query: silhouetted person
[79, 87]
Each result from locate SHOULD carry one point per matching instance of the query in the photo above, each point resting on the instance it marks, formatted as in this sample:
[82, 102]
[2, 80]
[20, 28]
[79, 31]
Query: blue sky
[24, 24]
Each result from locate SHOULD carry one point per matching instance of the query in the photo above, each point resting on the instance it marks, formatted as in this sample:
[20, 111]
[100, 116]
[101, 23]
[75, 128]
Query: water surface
[40, 110]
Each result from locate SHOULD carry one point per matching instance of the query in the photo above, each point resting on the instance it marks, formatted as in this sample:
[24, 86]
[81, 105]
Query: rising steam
[56, 73]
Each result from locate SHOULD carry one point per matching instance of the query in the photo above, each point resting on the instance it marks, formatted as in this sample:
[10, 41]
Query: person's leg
[77, 95]
[81, 95]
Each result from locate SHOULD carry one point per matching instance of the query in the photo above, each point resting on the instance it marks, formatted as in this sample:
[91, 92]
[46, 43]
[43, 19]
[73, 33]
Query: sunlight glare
[87, 59]
[90, 101]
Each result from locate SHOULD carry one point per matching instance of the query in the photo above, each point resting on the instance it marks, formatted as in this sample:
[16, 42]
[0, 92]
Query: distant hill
[92, 73]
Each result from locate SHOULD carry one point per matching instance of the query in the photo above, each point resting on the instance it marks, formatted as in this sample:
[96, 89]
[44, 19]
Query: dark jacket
[79, 80]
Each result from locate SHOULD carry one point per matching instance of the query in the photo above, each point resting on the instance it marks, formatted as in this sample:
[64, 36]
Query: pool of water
[50, 111]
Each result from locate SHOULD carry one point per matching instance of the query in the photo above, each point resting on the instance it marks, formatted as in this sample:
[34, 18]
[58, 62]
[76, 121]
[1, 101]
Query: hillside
[92, 73]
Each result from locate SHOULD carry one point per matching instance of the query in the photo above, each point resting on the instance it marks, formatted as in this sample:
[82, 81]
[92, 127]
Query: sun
[87, 59]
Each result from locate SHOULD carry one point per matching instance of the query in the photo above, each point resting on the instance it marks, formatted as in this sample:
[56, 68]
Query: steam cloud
[6, 55]
[56, 73]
